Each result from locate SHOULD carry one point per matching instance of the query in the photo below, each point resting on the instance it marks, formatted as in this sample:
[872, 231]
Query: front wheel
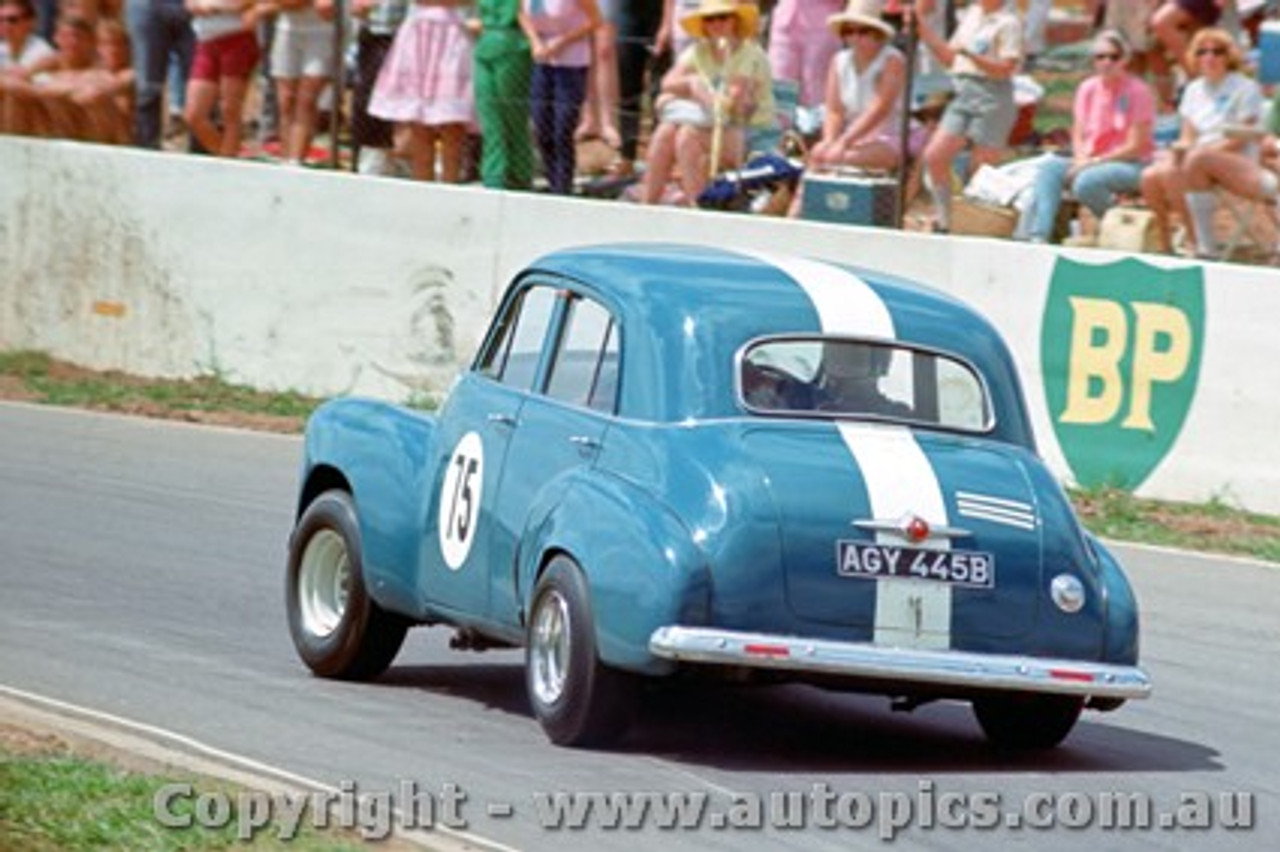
[338, 630]
[1022, 722]
[578, 700]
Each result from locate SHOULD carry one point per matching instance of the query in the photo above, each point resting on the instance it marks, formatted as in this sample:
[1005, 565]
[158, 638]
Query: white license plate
[971, 568]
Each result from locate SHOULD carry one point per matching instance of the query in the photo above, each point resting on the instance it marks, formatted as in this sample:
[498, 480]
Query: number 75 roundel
[460, 500]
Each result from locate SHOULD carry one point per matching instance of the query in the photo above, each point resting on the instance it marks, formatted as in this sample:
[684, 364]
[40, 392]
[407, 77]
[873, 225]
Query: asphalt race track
[141, 575]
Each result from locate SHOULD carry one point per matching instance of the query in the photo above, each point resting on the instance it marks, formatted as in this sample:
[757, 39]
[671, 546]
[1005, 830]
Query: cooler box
[850, 199]
[1269, 52]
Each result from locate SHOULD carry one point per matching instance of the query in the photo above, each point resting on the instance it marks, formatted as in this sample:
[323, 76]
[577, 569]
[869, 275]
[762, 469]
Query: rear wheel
[578, 700]
[1023, 722]
[338, 630]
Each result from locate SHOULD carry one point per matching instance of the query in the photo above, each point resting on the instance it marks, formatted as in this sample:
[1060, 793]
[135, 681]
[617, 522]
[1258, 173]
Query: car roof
[677, 303]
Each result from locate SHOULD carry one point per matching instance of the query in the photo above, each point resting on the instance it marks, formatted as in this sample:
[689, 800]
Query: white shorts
[305, 53]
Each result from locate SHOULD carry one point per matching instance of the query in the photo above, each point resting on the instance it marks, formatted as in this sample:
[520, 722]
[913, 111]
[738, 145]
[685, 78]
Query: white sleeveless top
[858, 90]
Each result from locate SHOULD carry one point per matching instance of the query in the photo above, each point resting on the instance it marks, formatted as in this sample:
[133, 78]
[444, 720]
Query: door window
[512, 357]
[585, 369]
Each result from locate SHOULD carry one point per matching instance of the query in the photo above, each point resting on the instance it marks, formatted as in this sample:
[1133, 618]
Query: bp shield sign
[1120, 349]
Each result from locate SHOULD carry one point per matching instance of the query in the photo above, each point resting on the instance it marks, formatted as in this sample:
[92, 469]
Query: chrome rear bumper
[960, 669]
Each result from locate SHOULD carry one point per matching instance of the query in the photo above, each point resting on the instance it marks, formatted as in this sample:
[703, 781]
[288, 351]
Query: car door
[562, 427]
[475, 429]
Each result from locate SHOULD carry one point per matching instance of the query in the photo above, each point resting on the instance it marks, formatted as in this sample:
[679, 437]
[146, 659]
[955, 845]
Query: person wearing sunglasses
[1174, 22]
[863, 116]
[1218, 99]
[1111, 141]
[982, 55]
[20, 47]
[718, 88]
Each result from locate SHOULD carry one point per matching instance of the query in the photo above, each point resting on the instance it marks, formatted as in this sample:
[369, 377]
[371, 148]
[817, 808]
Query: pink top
[803, 17]
[1105, 114]
[551, 18]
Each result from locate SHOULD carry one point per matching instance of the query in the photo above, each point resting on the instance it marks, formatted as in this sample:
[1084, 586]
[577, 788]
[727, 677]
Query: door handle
[585, 442]
[502, 420]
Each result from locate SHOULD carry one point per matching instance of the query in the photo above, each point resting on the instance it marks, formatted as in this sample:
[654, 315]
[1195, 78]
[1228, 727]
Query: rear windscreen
[840, 377]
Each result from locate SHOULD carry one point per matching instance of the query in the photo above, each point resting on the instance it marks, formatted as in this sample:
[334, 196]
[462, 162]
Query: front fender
[381, 451]
[642, 567]
[1120, 643]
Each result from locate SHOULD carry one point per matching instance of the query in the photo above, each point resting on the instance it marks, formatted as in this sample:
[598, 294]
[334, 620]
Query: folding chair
[1244, 231]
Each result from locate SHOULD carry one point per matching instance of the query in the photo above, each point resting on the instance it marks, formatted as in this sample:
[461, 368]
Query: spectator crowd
[1172, 114]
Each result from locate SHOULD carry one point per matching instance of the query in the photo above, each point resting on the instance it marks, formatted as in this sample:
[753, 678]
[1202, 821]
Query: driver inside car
[848, 380]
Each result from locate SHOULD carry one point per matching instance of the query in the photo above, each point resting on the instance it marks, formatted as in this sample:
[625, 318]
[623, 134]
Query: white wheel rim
[549, 647]
[324, 583]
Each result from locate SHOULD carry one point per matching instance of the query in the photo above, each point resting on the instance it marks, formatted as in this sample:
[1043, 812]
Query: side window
[585, 369]
[513, 355]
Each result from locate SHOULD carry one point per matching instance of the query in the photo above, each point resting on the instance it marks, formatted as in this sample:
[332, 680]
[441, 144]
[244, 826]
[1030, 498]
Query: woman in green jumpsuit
[504, 66]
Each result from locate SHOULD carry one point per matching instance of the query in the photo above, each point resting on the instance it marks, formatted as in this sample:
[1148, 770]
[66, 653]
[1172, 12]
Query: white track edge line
[219, 755]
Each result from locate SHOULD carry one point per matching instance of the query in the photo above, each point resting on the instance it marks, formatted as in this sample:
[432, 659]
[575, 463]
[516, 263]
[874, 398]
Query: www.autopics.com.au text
[413, 806]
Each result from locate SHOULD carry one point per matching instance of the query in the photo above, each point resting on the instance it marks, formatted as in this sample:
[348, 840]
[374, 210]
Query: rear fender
[1121, 633]
[1075, 635]
[381, 452]
[642, 567]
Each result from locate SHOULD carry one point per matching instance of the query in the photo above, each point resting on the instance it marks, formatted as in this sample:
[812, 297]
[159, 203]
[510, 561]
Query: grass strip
[67, 803]
[39, 378]
[1214, 526]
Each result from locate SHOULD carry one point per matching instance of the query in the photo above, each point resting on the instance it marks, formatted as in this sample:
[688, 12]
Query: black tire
[578, 700]
[338, 630]
[1027, 722]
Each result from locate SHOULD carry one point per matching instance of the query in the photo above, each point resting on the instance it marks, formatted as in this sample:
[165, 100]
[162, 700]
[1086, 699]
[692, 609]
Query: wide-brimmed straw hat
[748, 15]
[861, 13]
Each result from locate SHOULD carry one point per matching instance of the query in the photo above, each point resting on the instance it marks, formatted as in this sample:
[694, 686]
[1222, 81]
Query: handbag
[1129, 229]
[684, 111]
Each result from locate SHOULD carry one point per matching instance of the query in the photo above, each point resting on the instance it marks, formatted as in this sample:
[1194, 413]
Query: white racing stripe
[845, 303]
[897, 474]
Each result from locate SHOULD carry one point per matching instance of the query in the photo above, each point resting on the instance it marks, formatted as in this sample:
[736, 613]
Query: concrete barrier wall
[1149, 373]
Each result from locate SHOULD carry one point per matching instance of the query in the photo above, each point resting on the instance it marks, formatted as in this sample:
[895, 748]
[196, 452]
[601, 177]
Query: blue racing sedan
[670, 459]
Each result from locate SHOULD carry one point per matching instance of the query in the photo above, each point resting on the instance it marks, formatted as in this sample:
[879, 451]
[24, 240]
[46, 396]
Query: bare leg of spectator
[1163, 190]
[607, 84]
[939, 155]
[201, 97]
[692, 152]
[234, 91]
[600, 109]
[422, 152]
[306, 111]
[1237, 174]
[453, 140]
[286, 96]
[661, 157]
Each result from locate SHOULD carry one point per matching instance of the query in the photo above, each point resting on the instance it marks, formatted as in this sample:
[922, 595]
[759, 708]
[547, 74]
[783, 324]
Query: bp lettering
[1157, 351]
